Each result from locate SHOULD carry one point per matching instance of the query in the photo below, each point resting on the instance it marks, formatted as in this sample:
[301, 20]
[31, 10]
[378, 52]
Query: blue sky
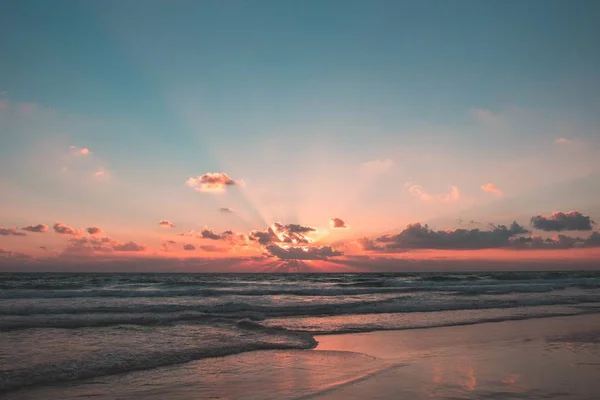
[371, 109]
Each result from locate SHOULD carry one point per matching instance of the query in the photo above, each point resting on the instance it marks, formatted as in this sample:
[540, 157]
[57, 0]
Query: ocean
[62, 328]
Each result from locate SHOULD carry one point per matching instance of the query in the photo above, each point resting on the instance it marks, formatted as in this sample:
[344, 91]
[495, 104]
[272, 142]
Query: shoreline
[466, 360]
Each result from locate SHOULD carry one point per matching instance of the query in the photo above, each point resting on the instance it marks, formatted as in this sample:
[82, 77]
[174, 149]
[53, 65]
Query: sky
[287, 135]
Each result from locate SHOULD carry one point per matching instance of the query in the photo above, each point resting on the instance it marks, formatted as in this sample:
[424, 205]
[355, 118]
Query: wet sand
[548, 358]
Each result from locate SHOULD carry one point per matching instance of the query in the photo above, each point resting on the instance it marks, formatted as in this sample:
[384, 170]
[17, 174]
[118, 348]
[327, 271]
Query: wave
[340, 289]
[441, 324]
[171, 314]
[248, 337]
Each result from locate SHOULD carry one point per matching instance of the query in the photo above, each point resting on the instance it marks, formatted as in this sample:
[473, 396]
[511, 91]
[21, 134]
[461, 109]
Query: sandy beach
[551, 358]
[546, 358]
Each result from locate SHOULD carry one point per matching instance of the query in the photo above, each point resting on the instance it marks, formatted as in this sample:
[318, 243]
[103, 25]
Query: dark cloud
[11, 232]
[301, 252]
[94, 230]
[369, 244]
[279, 233]
[561, 221]
[130, 246]
[211, 182]
[167, 224]
[64, 229]
[417, 236]
[558, 242]
[189, 247]
[226, 210]
[171, 241]
[210, 234]
[212, 248]
[337, 223]
[40, 228]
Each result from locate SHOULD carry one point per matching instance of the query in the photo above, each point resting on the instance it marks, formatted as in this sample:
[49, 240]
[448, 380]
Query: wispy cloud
[11, 232]
[226, 210]
[376, 167]
[418, 191]
[562, 140]
[82, 151]
[490, 187]
[484, 116]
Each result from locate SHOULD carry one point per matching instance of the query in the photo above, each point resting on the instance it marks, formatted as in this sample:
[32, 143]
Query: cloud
[417, 190]
[212, 248]
[171, 241]
[40, 228]
[11, 232]
[89, 245]
[417, 236]
[94, 244]
[490, 187]
[560, 221]
[377, 167]
[94, 230]
[562, 140]
[483, 115]
[64, 229]
[337, 223]
[558, 242]
[279, 233]
[226, 210]
[207, 233]
[211, 182]
[13, 255]
[301, 252]
[129, 246]
[166, 224]
[100, 173]
[189, 247]
[83, 151]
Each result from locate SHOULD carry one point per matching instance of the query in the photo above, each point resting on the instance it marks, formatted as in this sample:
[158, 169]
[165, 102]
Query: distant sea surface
[67, 327]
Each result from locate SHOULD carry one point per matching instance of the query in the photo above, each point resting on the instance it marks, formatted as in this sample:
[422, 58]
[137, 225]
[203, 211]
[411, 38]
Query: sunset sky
[164, 135]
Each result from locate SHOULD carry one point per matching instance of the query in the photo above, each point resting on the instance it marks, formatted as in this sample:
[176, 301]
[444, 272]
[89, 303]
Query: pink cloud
[63, 229]
[3, 104]
[100, 173]
[83, 151]
[226, 210]
[166, 224]
[11, 232]
[562, 140]
[417, 190]
[40, 228]
[211, 182]
[189, 247]
[490, 187]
